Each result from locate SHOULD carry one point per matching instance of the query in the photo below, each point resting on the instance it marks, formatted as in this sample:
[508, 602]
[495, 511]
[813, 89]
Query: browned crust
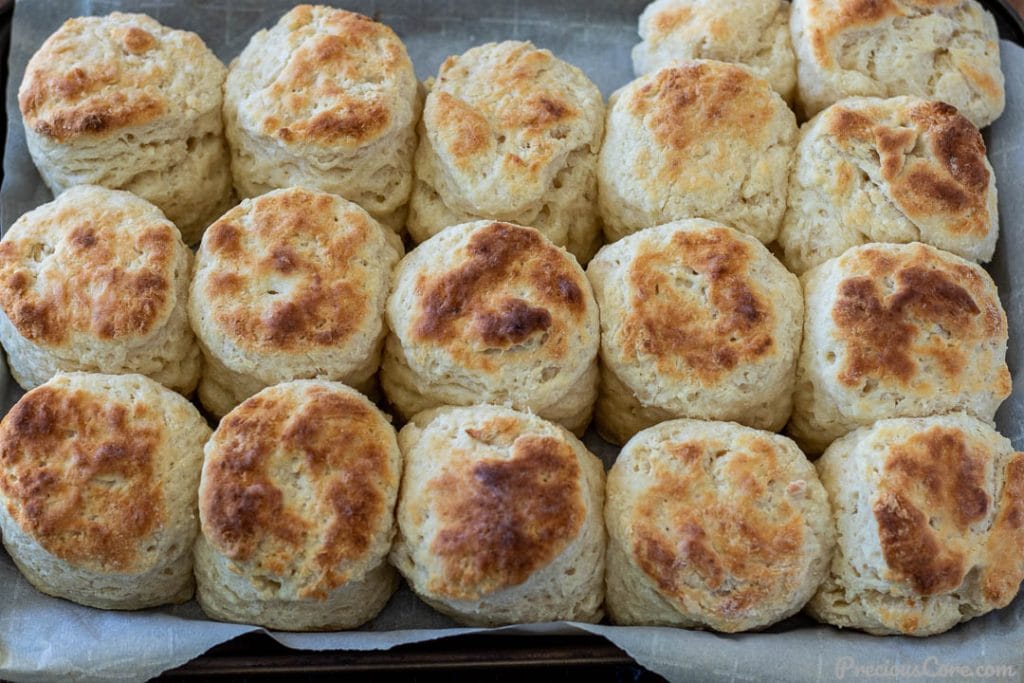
[934, 491]
[79, 476]
[313, 80]
[719, 536]
[476, 300]
[686, 334]
[950, 183]
[291, 236]
[693, 102]
[93, 284]
[500, 520]
[1004, 571]
[332, 441]
[883, 331]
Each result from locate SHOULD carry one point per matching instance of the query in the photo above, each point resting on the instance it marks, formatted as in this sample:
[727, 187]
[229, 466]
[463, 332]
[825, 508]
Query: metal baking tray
[502, 657]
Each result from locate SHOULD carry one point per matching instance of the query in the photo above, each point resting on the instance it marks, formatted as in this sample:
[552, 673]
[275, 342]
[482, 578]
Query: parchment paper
[42, 638]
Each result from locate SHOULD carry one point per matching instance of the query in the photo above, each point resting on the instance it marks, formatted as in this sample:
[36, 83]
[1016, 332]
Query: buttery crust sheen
[896, 170]
[930, 515]
[290, 285]
[945, 50]
[713, 525]
[499, 518]
[296, 504]
[897, 330]
[98, 475]
[492, 312]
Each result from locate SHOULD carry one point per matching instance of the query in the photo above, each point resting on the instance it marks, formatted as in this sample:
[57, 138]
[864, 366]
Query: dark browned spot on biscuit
[502, 520]
[275, 451]
[355, 120]
[716, 528]
[884, 332]
[911, 549]
[695, 308]
[79, 476]
[474, 298]
[512, 323]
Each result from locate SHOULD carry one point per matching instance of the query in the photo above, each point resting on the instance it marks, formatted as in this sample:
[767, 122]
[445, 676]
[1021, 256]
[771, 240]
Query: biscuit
[896, 331]
[697, 320]
[713, 525]
[124, 102]
[701, 139]
[499, 518]
[296, 506]
[98, 479]
[290, 285]
[489, 312]
[946, 51]
[510, 133]
[928, 513]
[325, 99]
[97, 281]
[897, 170]
[750, 32]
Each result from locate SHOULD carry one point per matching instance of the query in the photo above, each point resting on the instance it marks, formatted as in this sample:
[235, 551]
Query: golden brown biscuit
[713, 525]
[97, 281]
[929, 514]
[500, 517]
[897, 170]
[126, 103]
[491, 312]
[98, 479]
[290, 285]
[897, 330]
[946, 51]
[297, 510]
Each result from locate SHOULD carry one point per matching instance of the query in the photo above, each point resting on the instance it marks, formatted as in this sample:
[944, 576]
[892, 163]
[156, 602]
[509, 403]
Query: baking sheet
[42, 638]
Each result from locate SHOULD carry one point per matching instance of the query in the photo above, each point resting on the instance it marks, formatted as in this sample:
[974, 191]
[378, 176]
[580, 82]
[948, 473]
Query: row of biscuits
[307, 501]
[688, 319]
[328, 99]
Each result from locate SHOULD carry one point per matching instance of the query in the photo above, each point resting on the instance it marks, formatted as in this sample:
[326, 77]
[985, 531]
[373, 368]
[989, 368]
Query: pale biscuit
[697, 320]
[98, 480]
[499, 518]
[97, 281]
[701, 139]
[124, 102]
[750, 32]
[946, 51]
[896, 331]
[928, 513]
[510, 133]
[713, 525]
[491, 312]
[296, 506]
[325, 99]
[897, 170]
[290, 285]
